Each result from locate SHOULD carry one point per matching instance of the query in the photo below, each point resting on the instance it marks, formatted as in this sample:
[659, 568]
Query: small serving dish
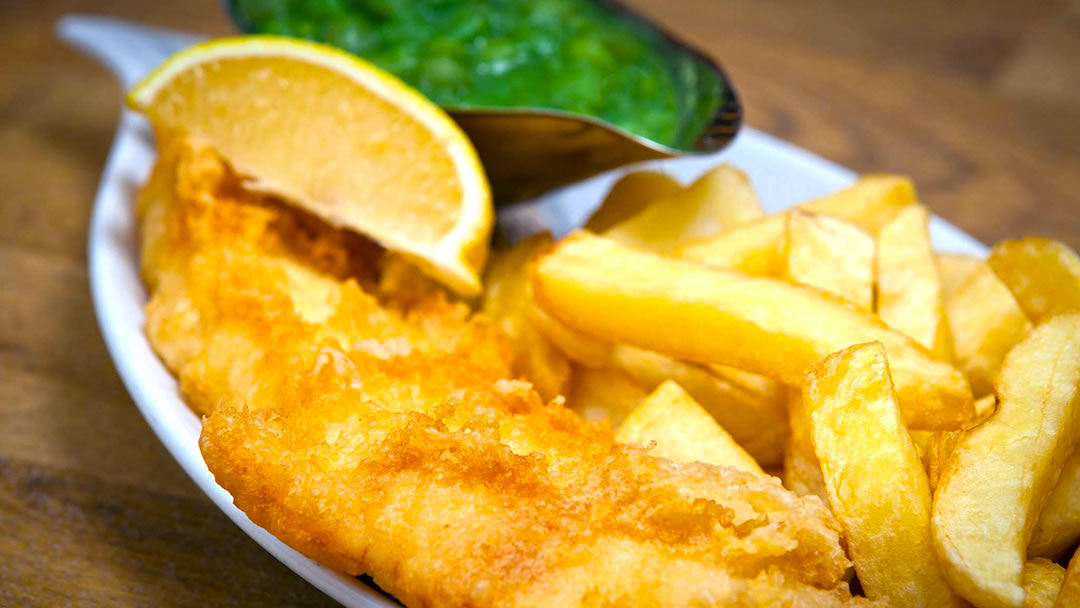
[608, 87]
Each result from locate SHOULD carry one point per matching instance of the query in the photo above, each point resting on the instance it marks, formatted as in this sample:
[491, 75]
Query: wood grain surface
[978, 100]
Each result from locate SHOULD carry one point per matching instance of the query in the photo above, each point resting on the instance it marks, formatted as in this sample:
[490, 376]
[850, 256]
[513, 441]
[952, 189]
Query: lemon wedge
[337, 137]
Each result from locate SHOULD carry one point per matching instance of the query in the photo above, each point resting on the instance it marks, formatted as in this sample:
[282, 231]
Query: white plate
[781, 173]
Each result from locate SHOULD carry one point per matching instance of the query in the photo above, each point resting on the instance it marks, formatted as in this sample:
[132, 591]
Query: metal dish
[528, 150]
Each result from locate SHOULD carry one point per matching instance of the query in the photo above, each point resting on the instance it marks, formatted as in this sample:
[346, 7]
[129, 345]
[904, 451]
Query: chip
[984, 318]
[1042, 583]
[909, 293]
[692, 312]
[832, 255]
[629, 196]
[752, 408]
[1043, 274]
[605, 393]
[682, 430]
[1069, 594]
[508, 300]
[873, 477]
[756, 248]
[802, 471]
[719, 199]
[1001, 473]
[1058, 528]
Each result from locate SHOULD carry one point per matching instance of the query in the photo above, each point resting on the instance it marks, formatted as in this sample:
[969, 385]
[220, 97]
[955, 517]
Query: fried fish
[365, 418]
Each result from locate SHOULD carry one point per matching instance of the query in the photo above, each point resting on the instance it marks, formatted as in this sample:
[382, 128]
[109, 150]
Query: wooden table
[978, 100]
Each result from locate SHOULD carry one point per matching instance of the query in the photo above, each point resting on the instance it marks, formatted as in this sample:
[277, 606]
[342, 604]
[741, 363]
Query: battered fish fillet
[361, 416]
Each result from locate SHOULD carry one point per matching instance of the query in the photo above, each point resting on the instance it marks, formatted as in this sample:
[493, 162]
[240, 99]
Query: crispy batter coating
[358, 414]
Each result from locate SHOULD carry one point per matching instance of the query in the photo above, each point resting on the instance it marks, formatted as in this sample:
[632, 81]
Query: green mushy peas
[573, 55]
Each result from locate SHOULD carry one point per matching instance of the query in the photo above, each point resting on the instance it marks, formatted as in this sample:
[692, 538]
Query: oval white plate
[782, 174]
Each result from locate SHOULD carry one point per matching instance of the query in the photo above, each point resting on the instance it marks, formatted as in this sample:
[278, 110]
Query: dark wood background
[979, 100]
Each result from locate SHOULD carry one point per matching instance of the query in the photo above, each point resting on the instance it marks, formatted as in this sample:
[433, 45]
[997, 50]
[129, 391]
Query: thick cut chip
[876, 484]
[748, 406]
[921, 439]
[507, 300]
[909, 296]
[984, 318]
[1069, 595]
[802, 471]
[609, 393]
[832, 255]
[870, 203]
[631, 194]
[1042, 583]
[683, 431]
[580, 348]
[719, 199]
[760, 325]
[1002, 472]
[1058, 528]
[756, 248]
[1043, 274]
[938, 449]
[730, 193]
[937, 446]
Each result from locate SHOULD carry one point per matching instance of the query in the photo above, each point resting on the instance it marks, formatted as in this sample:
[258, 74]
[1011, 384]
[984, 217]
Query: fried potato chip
[802, 471]
[540, 364]
[1069, 594]
[921, 439]
[1042, 582]
[683, 431]
[870, 203]
[984, 318]
[875, 482]
[504, 290]
[731, 193]
[755, 248]
[763, 326]
[576, 346]
[909, 296]
[984, 408]
[507, 299]
[631, 194]
[1043, 274]
[838, 257]
[1002, 472]
[719, 199]
[832, 255]
[603, 393]
[1058, 527]
[937, 446]
[752, 408]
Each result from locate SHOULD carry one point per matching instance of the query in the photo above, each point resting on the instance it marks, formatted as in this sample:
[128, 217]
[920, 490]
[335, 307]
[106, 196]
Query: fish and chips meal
[688, 402]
